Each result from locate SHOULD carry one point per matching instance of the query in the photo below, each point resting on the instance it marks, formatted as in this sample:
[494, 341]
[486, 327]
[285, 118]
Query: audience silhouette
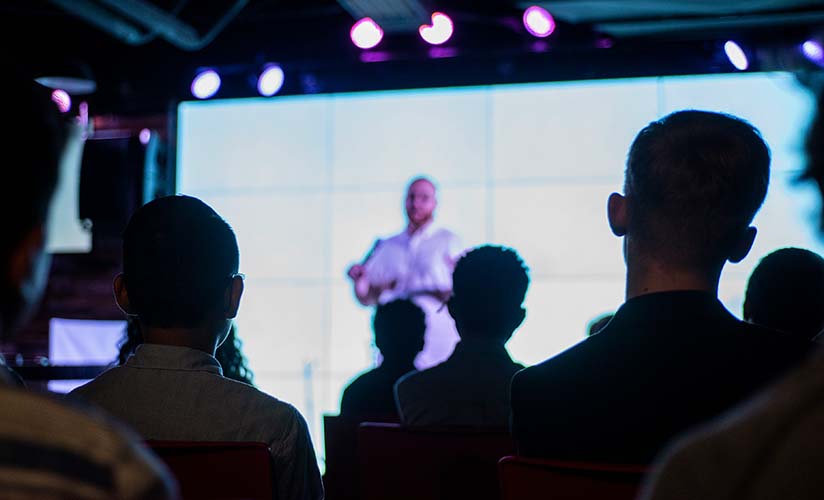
[229, 354]
[471, 388]
[770, 447]
[673, 356]
[180, 281]
[399, 332]
[598, 324]
[50, 449]
[786, 292]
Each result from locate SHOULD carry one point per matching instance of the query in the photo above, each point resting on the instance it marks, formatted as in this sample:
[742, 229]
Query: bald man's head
[421, 201]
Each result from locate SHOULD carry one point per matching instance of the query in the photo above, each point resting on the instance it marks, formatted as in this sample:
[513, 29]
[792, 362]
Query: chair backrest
[341, 437]
[525, 478]
[429, 464]
[219, 469]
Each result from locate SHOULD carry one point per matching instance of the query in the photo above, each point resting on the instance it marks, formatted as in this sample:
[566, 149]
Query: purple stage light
[270, 80]
[206, 84]
[366, 33]
[736, 55]
[813, 51]
[145, 136]
[61, 98]
[439, 31]
[538, 21]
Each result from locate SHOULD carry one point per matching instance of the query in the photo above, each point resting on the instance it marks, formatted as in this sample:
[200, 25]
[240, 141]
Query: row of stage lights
[367, 34]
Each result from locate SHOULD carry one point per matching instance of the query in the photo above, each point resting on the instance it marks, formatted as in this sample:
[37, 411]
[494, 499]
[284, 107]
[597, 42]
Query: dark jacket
[666, 362]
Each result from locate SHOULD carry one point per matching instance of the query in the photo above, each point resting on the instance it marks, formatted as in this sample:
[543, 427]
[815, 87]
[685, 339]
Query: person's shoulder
[72, 428]
[261, 398]
[545, 370]
[105, 379]
[774, 343]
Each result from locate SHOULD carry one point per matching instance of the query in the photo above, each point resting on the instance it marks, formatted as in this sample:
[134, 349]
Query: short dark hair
[488, 286]
[786, 292]
[694, 182]
[33, 144]
[399, 329]
[178, 258]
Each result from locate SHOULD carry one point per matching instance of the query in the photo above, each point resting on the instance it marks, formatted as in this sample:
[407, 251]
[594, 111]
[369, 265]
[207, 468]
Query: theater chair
[341, 437]
[429, 464]
[526, 478]
[219, 470]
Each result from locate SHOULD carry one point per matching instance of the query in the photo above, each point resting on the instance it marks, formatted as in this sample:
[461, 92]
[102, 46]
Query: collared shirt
[471, 388]
[420, 264]
[666, 362]
[177, 393]
[52, 449]
[417, 263]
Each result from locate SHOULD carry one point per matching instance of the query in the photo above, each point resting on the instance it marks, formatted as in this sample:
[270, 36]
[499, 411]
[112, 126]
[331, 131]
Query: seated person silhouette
[180, 281]
[769, 447]
[471, 388]
[786, 292]
[49, 448]
[399, 332]
[672, 356]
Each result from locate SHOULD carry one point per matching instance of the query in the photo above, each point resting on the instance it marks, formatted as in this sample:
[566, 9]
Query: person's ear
[743, 245]
[231, 302]
[617, 214]
[121, 295]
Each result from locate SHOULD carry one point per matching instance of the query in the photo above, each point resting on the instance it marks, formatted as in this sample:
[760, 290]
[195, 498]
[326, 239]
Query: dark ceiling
[310, 39]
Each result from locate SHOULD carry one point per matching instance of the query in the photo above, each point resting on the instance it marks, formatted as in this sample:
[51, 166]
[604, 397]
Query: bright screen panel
[309, 183]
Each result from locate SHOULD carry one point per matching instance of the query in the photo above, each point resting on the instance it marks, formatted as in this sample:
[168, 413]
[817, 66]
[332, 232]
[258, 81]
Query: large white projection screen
[309, 182]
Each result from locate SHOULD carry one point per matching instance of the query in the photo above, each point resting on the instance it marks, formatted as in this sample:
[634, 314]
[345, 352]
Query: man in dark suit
[672, 356]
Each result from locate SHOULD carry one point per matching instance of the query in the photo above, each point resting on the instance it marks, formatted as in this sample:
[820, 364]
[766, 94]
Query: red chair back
[223, 470]
[429, 464]
[526, 478]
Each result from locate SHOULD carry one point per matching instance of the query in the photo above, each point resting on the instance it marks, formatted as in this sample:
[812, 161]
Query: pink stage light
[270, 80]
[145, 136]
[439, 31]
[366, 33]
[538, 21]
[206, 84]
[736, 55]
[62, 99]
[813, 51]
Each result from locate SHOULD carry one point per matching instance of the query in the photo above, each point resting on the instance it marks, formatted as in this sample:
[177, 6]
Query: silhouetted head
[421, 201]
[32, 142]
[180, 264]
[814, 148]
[399, 329]
[694, 181]
[488, 289]
[786, 292]
[598, 324]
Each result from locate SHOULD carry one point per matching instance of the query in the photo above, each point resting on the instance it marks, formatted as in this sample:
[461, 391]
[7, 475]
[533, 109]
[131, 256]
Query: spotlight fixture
[538, 21]
[813, 50]
[736, 55]
[270, 80]
[145, 136]
[61, 98]
[205, 84]
[366, 33]
[439, 31]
